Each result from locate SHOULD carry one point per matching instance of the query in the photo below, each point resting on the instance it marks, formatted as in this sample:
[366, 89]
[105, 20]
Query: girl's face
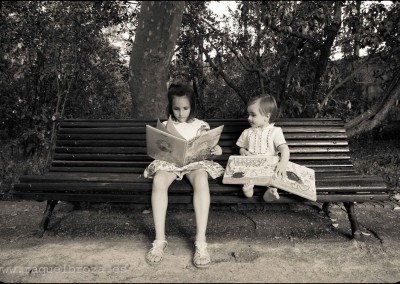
[181, 108]
[256, 119]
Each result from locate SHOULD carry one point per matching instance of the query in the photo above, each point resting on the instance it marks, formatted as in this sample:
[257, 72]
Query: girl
[263, 138]
[181, 107]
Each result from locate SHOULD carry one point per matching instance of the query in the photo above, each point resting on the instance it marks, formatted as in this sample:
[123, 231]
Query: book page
[171, 128]
[200, 148]
[164, 146]
[261, 171]
[161, 126]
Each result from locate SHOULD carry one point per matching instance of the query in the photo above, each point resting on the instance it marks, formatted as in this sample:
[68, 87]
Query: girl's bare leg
[159, 201]
[201, 204]
[201, 201]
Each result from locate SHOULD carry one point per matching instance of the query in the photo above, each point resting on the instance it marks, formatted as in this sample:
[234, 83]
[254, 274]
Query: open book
[165, 143]
[260, 170]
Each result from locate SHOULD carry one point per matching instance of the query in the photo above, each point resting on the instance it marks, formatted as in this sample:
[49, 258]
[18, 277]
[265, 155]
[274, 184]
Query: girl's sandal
[201, 257]
[156, 254]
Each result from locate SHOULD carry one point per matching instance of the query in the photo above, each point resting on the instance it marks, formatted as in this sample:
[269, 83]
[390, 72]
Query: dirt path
[266, 244]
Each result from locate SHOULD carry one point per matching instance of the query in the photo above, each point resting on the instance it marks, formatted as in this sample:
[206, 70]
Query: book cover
[165, 143]
[260, 169]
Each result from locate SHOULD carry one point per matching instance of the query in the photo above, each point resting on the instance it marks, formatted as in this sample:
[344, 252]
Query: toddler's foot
[248, 189]
[271, 194]
[201, 257]
[156, 253]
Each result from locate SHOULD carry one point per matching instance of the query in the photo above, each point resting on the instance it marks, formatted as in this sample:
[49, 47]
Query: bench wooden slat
[146, 199]
[224, 136]
[222, 143]
[143, 150]
[142, 143]
[213, 122]
[98, 169]
[323, 181]
[308, 163]
[227, 129]
[143, 157]
[326, 173]
[337, 170]
[102, 150]
[68, 188]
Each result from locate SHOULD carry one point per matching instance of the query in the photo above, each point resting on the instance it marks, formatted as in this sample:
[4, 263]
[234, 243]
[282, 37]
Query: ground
[265, 243]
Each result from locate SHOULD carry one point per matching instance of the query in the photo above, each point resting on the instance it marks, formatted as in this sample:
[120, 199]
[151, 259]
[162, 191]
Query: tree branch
[224, 76]
[337, 86]
[378, 112]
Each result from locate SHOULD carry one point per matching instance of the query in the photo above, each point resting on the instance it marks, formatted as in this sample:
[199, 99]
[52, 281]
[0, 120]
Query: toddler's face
[181, 108]
[256, 119]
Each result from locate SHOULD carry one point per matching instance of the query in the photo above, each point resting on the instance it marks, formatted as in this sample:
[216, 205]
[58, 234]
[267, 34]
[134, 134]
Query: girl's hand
[216, 151]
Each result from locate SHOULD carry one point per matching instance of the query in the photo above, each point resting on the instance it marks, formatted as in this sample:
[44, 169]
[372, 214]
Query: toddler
[263, 138]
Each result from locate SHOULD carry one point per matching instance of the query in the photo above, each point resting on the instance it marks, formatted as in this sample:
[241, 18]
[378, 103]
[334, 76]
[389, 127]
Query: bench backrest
[119, 146]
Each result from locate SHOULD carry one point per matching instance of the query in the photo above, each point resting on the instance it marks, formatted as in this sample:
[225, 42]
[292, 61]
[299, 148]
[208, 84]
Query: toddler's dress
[262, 141]
[188, 130]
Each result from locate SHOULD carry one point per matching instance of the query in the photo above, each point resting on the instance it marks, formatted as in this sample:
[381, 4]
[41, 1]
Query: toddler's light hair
[267, 105]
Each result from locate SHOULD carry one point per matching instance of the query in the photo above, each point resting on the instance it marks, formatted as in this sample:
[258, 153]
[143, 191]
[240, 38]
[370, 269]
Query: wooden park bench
[103, 161]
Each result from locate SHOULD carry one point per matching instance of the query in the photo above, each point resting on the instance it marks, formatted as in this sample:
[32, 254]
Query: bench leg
[326, 207]
[77, 205]
[355, 227]
[46, 218]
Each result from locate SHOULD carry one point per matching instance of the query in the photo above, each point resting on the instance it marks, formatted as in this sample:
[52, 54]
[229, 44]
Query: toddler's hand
[280, 170]
[216, 151]
[244, 152]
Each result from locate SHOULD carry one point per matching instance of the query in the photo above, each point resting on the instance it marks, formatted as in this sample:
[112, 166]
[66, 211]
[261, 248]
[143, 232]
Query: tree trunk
[331, 33]
[373, 117]
[152, 50]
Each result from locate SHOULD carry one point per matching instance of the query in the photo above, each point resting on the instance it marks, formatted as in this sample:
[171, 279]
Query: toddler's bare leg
[271, 194]
[248, 189]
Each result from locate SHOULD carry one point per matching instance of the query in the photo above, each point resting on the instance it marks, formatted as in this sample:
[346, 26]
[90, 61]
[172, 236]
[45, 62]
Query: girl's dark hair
[180, 90]
[267, 105]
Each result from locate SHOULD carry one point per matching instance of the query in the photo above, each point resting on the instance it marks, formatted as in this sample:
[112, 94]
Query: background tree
[152, 50]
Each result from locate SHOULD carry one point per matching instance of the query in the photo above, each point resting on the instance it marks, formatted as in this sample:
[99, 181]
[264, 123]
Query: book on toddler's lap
[260, 169]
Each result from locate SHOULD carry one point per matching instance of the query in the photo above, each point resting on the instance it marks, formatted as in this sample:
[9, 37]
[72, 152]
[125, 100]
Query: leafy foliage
[56, 62]
[286, 48]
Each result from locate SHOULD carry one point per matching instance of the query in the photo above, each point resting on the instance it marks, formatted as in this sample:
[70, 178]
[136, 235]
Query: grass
[378, 157]
[13, 165]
